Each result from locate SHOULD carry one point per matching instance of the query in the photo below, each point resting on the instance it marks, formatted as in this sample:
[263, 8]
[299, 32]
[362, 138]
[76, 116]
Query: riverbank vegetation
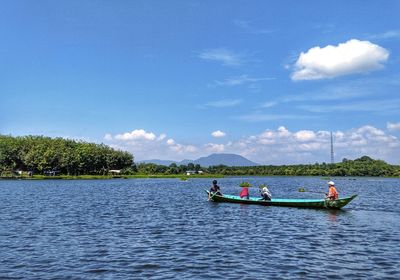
[40, 157]
[45, 155]
[363, 166]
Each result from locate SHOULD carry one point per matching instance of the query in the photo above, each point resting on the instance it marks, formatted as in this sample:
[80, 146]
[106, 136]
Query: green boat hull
[303, 203]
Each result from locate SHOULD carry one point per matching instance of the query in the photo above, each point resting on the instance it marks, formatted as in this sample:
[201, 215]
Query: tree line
[363, 166]
[41, 154]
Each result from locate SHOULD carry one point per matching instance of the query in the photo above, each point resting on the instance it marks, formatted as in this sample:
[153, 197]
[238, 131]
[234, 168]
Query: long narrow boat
[304, 203]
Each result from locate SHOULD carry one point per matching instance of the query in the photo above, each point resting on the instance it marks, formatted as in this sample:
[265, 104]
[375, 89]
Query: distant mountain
[158, 161]
[225, 159]
[213, 159]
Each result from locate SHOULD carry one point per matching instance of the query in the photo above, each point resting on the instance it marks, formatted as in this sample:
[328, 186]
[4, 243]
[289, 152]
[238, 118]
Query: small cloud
[108, 137]
[391, 34]
[390, 105]
[269, 104]
[170, 142]
[137, 134]
[181, 149]
[347, 58]
[393, 126]
[161, 137]
[224, 103]
[260, 117]
[218, 134]
[242, 79]
[215, 148]
[224, 56]
[248, 27]
[304, 135]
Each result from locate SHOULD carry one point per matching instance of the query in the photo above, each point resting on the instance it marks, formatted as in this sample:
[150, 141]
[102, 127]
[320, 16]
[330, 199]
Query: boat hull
[303, 203]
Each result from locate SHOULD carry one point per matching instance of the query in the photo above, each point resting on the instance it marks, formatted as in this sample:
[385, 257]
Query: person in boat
[332, 193]
[244, 193]
[215, 189]
[265, 193]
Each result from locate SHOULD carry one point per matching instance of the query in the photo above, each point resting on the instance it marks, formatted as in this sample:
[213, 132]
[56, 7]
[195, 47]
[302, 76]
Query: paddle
[211, 196]
[303, 190]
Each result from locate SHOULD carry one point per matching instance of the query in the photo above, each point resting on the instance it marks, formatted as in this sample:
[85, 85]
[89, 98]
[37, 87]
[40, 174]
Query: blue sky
[183, 79]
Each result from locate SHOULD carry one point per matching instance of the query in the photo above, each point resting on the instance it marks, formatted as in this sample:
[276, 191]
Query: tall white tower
[332, 158]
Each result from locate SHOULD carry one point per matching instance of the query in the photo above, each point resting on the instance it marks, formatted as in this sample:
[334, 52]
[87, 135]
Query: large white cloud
[353, 56]
[148, 145]
[137, 134]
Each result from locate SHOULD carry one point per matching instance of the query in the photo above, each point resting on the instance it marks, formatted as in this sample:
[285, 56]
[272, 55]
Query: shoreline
[108, 177]
[171, 176]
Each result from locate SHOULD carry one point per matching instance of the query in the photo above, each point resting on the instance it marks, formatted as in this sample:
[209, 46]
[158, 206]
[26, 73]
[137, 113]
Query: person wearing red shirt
[244, 193]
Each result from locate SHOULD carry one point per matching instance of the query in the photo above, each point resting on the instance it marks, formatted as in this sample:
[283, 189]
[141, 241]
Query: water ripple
[166, 229]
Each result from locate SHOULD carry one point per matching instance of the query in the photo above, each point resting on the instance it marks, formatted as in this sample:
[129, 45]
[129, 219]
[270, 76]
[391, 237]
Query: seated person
[244, 193]
[332, 194]
[215, 189]
[265, 193]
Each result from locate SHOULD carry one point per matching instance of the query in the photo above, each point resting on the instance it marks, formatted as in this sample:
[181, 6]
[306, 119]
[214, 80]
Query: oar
[210, 197]
[303, 190]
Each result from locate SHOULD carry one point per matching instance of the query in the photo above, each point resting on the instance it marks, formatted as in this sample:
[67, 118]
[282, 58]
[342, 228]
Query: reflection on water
[332, 215]
[123, 229]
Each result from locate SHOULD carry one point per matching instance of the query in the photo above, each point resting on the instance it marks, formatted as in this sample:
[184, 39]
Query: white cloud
[224, 103]
[226, 57]
[387, 106]
[269, 104]
[370, 130]
[242, 79]
[170, 142]
[261, 117]
[305, 135]
[282, 146]
[183, 149]
[276, 146]
[247, 26]
[218, 134]
[161, 137]
[108, 137]
[137, 134]
[147, 145]
[215, 148]
[391, 34]
[393, 126]
[353, 56]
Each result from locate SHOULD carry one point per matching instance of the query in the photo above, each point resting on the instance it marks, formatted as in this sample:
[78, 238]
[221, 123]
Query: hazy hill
[213, 159]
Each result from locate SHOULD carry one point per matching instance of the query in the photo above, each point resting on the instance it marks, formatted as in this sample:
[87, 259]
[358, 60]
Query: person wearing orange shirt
[332, 193]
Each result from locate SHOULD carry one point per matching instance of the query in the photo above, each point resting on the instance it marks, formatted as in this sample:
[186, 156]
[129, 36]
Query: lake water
[166, 229]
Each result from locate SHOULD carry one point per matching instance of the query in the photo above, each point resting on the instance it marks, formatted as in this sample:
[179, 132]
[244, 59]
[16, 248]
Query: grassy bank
[104, 177]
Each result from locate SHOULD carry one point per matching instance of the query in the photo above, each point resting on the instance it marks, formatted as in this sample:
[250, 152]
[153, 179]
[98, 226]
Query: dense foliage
[172, 169]
[364, 166]
[40, 154]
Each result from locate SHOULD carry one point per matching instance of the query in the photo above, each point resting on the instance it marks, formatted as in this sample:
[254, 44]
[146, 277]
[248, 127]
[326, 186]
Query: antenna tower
[332, 159]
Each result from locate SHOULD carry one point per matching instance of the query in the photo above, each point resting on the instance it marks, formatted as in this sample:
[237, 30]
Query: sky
[268, 80]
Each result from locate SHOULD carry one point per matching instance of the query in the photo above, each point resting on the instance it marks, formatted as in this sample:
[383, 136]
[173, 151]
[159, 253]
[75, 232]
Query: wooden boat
[304, 203]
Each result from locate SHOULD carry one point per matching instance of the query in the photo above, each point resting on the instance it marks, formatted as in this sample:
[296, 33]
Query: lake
[166, 229]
